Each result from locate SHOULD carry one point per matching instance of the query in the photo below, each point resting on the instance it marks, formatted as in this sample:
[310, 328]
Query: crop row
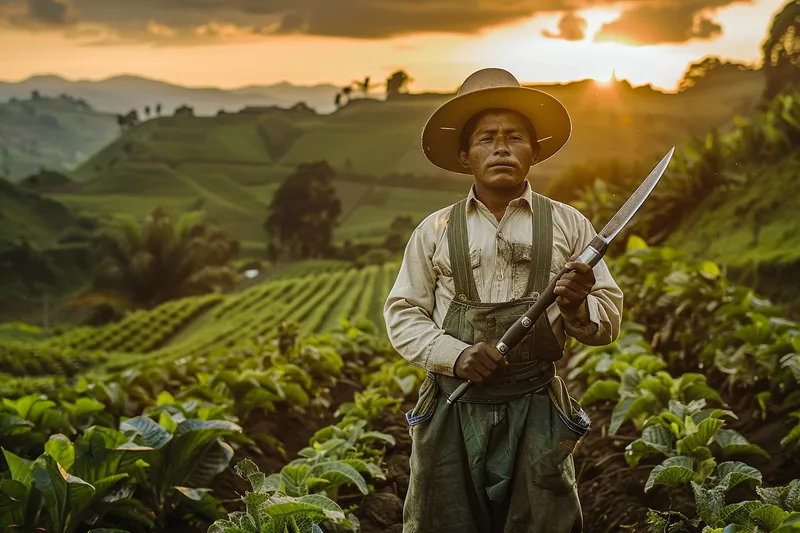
[141, 331]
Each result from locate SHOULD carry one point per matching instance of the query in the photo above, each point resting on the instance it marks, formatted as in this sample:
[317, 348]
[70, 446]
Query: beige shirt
[417, 304]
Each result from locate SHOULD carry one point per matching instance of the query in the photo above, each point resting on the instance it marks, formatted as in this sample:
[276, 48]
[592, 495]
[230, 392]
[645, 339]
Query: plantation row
[201, 325]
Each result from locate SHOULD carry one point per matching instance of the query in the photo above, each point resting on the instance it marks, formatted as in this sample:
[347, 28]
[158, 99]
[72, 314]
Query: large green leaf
[214, 459]
[733, 444]
[13, 425]
[654, 439]
[737, 513]
[731, 473]
[21, 469]
[50, 480]
[604, 389]
[339, 473]
[673, 472]
[790, 525]
[708, 502]
[148, 432]
[706, 430]
[190, 446]
[769, 516]
[60, 448]
[293, 479]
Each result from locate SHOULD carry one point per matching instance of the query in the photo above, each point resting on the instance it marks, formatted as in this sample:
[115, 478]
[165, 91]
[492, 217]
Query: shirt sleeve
[598, 321]
[409, 307]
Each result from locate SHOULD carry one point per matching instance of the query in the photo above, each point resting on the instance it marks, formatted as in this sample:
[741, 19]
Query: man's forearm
[418, 339]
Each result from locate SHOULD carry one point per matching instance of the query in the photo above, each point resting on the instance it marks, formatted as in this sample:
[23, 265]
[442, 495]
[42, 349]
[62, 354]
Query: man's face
[500, 150]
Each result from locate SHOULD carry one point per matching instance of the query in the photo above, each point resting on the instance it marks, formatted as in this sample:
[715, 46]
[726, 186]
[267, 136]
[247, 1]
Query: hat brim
[442, 132]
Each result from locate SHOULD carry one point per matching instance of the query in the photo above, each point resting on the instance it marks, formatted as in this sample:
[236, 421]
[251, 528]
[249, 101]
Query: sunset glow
[435, 60]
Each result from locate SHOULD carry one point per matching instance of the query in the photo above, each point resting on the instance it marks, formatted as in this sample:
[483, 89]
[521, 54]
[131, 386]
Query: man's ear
[463, 158]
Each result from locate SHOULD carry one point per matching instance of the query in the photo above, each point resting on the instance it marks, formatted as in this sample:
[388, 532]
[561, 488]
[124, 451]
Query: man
[500, 459]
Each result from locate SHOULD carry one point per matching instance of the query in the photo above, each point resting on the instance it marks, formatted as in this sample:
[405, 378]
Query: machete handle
[590, 255]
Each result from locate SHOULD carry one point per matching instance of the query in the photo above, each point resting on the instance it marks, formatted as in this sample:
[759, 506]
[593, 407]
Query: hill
[119, 94]
[233, 162]
[55, 133]
[42, 244]
[753, 231]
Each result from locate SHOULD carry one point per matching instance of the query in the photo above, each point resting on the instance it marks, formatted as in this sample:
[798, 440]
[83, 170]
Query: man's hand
[478, 362]
[573, 287]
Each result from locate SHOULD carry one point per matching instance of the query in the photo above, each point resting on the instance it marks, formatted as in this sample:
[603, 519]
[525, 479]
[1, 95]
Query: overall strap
[458, 244]
[542, 244]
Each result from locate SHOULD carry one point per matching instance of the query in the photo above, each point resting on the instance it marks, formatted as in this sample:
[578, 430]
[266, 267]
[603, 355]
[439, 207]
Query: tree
[147, 111]
[35, 95]
[781, 51]
[399, 232]
[338, 100]
[142, 266]
[397, 84]
[158, 109]
[710, 67]
[184, 111]
[304, 213]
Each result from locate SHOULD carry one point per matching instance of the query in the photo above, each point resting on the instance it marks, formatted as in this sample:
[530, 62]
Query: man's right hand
[478, 362]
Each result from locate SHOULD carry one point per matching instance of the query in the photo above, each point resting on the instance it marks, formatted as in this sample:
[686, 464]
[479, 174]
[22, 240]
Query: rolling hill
[233, 162]
[53, 133]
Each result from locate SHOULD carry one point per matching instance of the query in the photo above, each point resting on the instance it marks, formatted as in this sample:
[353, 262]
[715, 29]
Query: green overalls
[499, 460]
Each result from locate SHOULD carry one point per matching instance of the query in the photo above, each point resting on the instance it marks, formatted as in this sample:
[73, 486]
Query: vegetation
[781, 51]
[148, 415]
[140, 267]
[55, 133]
[303, 214]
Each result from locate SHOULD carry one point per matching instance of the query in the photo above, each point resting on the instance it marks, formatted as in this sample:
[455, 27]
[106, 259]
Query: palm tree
[142, 266]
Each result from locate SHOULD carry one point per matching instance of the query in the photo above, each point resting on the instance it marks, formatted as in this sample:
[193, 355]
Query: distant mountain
[120, 94]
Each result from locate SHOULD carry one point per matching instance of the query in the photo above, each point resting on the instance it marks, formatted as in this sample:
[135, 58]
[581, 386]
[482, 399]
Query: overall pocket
[426, 403]
[576, 422]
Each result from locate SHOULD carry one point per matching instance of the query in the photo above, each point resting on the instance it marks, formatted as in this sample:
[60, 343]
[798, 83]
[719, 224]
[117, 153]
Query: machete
[591, 255]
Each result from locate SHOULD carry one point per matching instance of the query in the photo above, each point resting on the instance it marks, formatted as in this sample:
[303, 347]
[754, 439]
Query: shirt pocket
[521, 254]
[444, 270]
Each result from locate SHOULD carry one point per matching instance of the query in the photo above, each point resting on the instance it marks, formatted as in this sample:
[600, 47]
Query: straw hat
[487, 89]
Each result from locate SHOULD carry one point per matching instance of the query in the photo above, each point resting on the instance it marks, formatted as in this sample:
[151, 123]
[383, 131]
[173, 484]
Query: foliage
[141, 267]
[303, 213]
[781, 50]
[700, 168]
[709, 67]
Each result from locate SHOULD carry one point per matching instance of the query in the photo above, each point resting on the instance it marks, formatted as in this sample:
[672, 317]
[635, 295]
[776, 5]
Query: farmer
[500, 459]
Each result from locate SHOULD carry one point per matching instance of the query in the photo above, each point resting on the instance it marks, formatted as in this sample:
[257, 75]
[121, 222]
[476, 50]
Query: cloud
[49, 11]
[665, 22]
[571, 27]
[202, 21]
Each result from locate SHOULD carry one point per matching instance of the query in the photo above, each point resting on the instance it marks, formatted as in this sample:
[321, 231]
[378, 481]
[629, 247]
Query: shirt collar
[525, 197]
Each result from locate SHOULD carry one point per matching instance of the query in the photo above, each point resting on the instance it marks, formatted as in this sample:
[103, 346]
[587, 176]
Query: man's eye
[485, 138]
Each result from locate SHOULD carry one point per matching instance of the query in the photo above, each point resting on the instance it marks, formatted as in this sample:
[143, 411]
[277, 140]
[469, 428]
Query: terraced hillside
[233, 162]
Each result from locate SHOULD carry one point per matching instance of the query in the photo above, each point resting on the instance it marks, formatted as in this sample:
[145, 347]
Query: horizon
[613, 39]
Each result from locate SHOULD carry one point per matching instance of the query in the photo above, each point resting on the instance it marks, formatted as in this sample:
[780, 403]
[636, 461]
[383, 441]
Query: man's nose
[501, 145]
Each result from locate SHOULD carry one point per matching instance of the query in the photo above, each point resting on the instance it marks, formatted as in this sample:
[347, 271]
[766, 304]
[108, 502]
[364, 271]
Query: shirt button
[500, 234]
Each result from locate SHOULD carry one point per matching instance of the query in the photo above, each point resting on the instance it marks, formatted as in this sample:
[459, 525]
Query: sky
[235, 43]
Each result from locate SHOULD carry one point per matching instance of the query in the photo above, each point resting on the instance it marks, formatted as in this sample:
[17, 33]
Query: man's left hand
[573, 287]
